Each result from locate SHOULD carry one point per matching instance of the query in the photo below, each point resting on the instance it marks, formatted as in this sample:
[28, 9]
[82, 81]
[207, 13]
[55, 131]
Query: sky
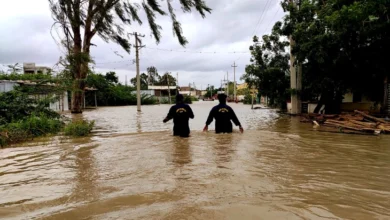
[216, 42]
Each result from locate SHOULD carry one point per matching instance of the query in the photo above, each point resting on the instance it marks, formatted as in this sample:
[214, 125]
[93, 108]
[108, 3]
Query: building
[350, 102]
[31, 68]
[356, 101]
[190, 91]
[243, 89]
[60, 105]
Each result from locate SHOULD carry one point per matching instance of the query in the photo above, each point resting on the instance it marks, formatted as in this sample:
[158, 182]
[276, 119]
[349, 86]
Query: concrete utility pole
[228, 84]
[194, 88]
[235, 95]
[137, 47]
[295, 78]
[177, 84]
[169, 90]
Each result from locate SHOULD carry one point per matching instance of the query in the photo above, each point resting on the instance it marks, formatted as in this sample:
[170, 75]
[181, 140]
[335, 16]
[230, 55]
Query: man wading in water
[181, 114]
[223, 114]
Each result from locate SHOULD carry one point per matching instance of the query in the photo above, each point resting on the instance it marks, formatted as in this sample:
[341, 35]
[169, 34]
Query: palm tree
[108, 19]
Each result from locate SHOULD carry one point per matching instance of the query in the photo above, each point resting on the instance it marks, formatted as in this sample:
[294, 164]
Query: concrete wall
[310, 106]
[367, 106]
[61, 105]
[348, 97]
[7, 86]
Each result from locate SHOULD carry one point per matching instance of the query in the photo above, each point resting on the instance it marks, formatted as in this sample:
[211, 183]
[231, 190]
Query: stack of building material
[357, 121]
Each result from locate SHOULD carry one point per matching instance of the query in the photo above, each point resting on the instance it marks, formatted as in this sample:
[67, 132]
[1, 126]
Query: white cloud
[25, 36]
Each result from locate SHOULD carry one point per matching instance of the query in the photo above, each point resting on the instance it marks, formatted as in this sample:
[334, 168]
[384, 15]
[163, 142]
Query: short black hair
[179, 98]
[222, 97]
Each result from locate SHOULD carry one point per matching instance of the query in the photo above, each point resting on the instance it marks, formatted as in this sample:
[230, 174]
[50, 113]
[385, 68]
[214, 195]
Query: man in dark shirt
[223, 115]
[181, 114]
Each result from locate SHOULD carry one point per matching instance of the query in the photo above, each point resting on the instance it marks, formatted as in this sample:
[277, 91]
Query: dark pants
[182, 131]
[223, 127]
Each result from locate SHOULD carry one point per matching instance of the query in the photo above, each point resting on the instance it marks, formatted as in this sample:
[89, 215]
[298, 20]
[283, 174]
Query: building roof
[161, 87]
[27, 82]
[90, 89]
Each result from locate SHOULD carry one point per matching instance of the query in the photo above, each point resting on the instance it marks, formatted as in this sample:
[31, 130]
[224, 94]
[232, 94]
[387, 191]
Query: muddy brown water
[132, 168]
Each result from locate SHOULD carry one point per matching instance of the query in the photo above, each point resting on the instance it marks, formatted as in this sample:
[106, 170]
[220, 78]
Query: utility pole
[235, 95]
[208, 88]
[177, 83]
[295, 78]
[137, 47]
[228, 84]
[126, 80]
[194, 88]
[169, 90]
[177, 80]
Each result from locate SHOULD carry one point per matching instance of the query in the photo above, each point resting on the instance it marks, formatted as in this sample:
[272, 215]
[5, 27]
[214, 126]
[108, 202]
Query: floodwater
[132, 168]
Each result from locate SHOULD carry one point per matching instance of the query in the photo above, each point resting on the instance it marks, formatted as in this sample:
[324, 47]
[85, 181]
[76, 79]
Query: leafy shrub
[79, 128]
[28, 128]
[187, 99]
[247, 99]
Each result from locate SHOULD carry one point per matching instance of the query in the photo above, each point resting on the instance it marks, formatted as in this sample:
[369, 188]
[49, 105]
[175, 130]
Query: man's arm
[235, 120]
[190, 112]
[209, 120]
[170, 115]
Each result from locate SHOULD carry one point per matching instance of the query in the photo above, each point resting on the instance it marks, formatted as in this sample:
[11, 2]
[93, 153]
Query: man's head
[222, 98]
[179, 98]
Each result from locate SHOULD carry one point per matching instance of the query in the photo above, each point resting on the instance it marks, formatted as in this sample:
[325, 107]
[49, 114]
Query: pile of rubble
[358, 122]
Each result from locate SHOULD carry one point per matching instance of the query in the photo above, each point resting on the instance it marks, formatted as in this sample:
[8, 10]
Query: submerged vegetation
[25, 113]
[79, 128]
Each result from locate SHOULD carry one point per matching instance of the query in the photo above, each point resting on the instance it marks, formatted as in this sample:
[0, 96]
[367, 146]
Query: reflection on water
[133, 168]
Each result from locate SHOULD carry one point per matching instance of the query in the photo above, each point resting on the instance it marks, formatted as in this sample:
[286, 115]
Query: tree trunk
[77, 96]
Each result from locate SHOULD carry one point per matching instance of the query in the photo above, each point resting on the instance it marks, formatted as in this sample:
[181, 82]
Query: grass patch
[79, 128]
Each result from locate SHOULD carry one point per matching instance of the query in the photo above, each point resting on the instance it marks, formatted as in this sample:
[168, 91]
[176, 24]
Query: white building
[61, 104]
[31, 68]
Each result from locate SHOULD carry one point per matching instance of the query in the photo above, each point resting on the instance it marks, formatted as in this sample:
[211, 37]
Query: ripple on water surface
[132, 168]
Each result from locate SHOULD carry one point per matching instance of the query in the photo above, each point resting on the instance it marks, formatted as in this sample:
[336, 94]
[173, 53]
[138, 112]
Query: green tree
[343, 46]
[269, 68]
[81, 20]
[144, 81]
[167, 77]
[211, 91]
[16, 68]
[111, 77]
[153, 76]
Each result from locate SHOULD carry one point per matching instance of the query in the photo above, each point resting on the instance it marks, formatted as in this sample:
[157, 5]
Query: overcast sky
[25, 36]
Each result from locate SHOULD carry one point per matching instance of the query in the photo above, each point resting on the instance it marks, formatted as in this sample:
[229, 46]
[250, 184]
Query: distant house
[350, 102]
[61, 104]
[160, 91]
[190, 91]
[31, 68]
[242, 89]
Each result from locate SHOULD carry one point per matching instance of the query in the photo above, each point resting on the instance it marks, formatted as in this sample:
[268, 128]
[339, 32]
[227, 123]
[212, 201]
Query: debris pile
[358, 122]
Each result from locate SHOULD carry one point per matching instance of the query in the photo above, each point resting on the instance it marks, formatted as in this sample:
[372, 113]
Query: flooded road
[132, 168]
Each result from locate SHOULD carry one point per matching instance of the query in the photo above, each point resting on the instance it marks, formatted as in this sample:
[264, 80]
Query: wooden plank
[365, 124]
[371, 117]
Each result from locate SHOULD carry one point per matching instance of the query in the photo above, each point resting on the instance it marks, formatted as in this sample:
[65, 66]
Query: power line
[273, 18]
[261, 17]
[258, 22]
[202, 52]
[119, 61]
